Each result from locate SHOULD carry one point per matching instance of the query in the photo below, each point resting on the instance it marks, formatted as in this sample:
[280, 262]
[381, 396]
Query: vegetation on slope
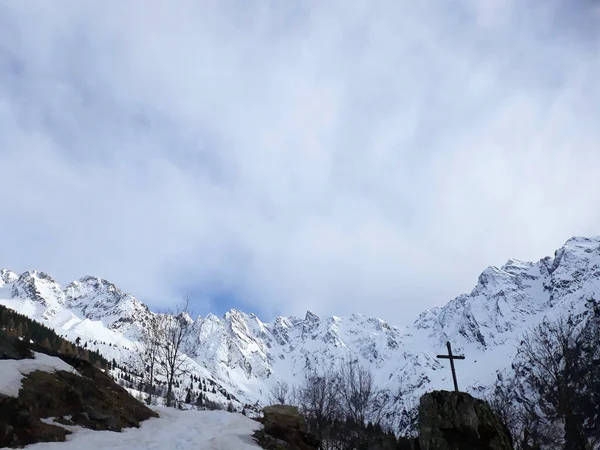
[17, 325]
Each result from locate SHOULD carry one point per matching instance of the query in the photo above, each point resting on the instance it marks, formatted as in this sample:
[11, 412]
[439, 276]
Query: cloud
[370, 157]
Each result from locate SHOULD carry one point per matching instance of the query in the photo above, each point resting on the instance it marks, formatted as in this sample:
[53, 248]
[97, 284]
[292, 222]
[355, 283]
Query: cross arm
[450, 357]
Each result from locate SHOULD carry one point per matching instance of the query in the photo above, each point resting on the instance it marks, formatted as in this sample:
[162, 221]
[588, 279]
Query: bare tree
[149, 353]
[174, 330]
[317, 398]
[551, 353]
[360, 399]
[281, 394]
[519, 417]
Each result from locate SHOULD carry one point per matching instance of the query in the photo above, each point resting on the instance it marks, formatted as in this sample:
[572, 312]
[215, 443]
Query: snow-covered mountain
[246, 357]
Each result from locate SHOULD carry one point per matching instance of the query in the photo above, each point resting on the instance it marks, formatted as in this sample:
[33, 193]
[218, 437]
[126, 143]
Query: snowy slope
[246, 356]
[174, 429]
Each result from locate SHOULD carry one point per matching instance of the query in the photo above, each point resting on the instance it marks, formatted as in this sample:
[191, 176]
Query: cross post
[452, 357]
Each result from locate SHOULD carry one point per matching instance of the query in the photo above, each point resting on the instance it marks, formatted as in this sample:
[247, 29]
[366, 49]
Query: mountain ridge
[247, 356]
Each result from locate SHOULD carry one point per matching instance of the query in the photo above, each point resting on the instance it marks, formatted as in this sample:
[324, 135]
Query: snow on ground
[175, 429]
[12, 371]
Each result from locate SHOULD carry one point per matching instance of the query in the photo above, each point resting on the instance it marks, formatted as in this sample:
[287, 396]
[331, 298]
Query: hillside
[243, 357]
[37, 384]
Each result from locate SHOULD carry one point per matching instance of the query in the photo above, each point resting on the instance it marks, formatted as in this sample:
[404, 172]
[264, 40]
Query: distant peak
[8, 276]
[583, 242]
[311, 317]
[234, 314]
[211, 317]
[37, 274]
[489, 273]
[517, 262]
[516, 266]
[96, 282]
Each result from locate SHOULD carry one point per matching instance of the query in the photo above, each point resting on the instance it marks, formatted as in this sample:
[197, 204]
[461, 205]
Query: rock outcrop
[457, 421]
[284, 428]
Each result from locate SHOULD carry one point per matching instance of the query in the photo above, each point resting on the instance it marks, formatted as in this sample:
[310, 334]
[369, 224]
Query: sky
[281, 156]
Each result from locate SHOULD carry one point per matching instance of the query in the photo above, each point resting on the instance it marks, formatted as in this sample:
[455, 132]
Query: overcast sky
[278, 156]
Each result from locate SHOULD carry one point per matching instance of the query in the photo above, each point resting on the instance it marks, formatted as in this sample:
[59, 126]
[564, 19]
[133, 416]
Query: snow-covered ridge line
[247, 356]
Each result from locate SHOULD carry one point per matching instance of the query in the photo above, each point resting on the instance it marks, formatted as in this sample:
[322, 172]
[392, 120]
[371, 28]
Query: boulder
[458, 421]
[284, 428]
[283, 416]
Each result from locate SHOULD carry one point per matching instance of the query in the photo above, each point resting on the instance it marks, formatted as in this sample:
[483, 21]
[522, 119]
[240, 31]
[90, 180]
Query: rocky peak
[587, 244]
[99, 299]
[311, 317]
[233, 315]
[39, 287]
[7, 276]
[80, 291]
[517, 267]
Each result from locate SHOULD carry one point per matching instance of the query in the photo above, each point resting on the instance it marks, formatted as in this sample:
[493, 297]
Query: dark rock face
[284, 428]
[457, 421]
[92, 400]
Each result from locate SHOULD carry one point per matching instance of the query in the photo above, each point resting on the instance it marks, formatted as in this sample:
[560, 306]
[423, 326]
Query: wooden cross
[451, 357]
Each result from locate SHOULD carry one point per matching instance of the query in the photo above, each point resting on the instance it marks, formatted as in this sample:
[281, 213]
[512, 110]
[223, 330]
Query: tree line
[18, 325]
[344, 408]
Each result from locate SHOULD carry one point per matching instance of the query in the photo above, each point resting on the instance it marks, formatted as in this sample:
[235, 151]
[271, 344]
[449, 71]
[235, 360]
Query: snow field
[173, 430]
